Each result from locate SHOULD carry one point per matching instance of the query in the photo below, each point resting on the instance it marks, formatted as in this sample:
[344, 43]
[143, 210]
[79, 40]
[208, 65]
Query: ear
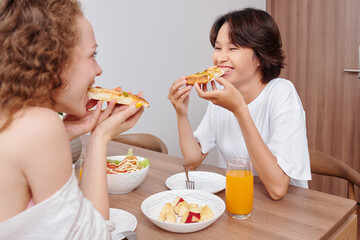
[257, 59]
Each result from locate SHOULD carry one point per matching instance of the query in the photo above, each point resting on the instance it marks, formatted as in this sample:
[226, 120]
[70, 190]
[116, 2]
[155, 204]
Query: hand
[228, 97]
[121, 119]
[179, 96]
[77, 126]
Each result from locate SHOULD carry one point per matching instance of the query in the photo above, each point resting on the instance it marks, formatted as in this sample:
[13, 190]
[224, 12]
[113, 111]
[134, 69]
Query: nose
[98, 69]
[220, 57]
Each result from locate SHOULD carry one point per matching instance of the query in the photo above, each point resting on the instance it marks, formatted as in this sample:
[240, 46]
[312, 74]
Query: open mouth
[227, 70]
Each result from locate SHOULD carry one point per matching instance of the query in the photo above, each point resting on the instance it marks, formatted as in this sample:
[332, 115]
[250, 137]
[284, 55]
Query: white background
[145, 45]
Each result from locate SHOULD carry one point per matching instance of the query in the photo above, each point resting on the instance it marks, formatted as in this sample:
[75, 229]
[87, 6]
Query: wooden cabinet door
[321, 38]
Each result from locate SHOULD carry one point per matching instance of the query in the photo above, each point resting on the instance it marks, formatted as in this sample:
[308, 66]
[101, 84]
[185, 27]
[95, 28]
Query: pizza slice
[118, 94]
[205, 76]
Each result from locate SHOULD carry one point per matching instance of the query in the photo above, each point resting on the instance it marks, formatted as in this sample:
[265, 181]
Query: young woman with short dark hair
[253, 113]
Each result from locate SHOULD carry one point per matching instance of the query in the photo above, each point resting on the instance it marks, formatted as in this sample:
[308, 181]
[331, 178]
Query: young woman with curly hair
[47, 63]
[254, 114]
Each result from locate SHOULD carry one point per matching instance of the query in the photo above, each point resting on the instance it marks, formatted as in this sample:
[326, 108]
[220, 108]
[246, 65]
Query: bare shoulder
[41, 131]
[45, 156]
[29, 126]
[38, 118]
[36, 159]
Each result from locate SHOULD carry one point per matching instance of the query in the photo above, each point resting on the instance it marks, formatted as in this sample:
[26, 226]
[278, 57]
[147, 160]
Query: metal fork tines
[189, 184]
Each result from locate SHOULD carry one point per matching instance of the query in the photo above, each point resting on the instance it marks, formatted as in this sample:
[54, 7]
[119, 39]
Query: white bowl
[120, 183]
[152, 206]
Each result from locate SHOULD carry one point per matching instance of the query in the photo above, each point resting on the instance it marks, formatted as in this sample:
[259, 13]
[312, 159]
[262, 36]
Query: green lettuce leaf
[117, 162]
[144, 163]
[130, 153]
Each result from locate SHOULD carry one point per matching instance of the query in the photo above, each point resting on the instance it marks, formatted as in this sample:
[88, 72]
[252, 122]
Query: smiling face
[240, 64]
[80, 74]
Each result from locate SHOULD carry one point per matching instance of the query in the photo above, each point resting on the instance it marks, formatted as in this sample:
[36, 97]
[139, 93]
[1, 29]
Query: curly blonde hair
[37, 39]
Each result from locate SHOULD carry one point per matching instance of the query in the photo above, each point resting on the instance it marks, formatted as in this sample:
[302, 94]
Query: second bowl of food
[126, 172]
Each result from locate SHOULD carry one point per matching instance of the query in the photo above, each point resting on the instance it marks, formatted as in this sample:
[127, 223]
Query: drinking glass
[239, 192]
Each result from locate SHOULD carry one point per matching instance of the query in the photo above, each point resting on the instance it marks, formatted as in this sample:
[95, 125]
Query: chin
[77, 112]
[81, 113]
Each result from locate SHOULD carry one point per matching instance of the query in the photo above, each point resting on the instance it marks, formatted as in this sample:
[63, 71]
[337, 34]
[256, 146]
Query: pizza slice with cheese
[117, 94]
[205, 76]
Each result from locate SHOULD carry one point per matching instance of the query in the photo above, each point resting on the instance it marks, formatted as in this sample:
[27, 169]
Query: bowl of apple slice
[183, 211]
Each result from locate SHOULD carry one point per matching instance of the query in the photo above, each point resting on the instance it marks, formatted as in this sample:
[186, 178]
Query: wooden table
[301, 214]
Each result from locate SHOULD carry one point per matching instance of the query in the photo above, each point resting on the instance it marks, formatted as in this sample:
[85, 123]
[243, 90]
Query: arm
[94, 181]
[265, 163]
[190, 148]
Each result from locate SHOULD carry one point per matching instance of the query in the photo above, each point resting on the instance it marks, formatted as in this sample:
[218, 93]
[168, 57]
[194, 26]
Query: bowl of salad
[125, 173]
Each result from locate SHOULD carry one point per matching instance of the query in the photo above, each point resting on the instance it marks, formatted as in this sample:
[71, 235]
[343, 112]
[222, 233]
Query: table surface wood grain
[301, 214]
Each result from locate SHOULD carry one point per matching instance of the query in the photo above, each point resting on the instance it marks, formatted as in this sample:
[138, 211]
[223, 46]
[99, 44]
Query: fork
[129, 235]
[189, 184]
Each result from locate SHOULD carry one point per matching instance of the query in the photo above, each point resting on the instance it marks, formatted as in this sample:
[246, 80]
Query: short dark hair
[255, 29]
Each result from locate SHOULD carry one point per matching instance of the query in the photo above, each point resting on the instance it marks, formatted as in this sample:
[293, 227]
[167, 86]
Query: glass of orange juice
[239, 191]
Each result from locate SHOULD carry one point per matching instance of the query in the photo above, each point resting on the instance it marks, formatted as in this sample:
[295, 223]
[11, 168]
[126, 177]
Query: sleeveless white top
[65, 215]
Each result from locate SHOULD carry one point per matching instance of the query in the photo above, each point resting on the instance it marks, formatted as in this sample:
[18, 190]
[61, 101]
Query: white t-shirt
[280, 119]
[65, 215]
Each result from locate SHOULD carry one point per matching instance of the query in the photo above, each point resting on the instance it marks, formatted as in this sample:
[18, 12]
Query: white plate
[152, 206]
[123, 220]
[204, 181]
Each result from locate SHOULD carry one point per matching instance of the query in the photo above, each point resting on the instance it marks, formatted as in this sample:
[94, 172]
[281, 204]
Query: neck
[251, 89]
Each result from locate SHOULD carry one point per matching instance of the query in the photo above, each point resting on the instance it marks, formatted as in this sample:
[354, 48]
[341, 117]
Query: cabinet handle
[352, 70]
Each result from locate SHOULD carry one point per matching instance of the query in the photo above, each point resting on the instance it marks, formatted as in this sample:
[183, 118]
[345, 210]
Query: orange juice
[80, 174]
[239, 192]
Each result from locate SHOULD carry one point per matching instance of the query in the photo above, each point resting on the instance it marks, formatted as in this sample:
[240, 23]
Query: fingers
[204, 87]
[203, 92]
[176, 85]
[107, 112]
[135, 116]
[96, 113]
[97, 110]
[126, 110]
[222, 81]
[177, 93]
[198, 89]
[119, 108]
[213, 85]
[128, 117]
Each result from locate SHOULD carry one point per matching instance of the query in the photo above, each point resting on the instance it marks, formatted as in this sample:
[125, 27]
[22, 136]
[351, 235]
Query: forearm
[263, 160]
[94, 179]
[190, 148]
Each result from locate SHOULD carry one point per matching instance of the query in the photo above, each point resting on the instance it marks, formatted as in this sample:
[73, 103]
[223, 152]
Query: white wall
[145, 45]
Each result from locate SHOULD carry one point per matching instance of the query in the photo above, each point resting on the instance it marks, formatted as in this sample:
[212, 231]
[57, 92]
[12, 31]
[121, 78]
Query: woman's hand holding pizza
[179, 96]
[77, 126]
[228, 97]
[121, 119]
